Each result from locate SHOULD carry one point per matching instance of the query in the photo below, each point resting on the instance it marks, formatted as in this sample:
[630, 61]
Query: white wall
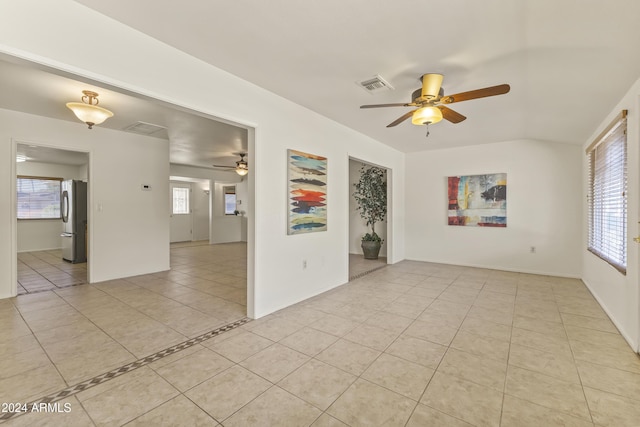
[358, 226]
[130, 234]
[200, 207]
[202, 173]
[39, 235]
[543, 208]
[277, 278]
[217, 225]
[51, 170]
[224, 228]
[83, 172]
[618, 294]
[43, 234]
[242, 197]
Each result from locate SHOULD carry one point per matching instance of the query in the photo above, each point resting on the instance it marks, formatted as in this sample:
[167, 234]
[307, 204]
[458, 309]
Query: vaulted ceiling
[568, 61]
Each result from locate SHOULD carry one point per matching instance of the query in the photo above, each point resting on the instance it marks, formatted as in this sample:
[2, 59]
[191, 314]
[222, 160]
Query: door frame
[184, 183]
[253, 135]
[13, 201]
[389, 219]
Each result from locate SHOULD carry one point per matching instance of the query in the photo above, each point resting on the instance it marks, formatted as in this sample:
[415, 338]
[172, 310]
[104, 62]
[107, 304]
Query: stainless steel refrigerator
[74, 220]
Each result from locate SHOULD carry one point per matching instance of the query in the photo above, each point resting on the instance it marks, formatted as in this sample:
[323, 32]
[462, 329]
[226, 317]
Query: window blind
[608, 195]
[38, 197]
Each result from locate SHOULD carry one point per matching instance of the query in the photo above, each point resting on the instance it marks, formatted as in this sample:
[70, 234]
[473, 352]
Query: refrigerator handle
[65, 206]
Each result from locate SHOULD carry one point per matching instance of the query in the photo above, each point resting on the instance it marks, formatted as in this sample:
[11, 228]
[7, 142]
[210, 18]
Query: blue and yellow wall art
[478, 200]
[307, 192]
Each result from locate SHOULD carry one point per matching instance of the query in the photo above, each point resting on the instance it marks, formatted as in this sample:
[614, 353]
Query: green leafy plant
[371, 195]
[372, 238]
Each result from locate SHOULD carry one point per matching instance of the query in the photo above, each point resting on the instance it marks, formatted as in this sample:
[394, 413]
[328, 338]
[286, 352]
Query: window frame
[185, 190]
[38, 178]
[607, 223]
[230, 189]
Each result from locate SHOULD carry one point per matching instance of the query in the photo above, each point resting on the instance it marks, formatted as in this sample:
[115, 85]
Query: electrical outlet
[304, 264]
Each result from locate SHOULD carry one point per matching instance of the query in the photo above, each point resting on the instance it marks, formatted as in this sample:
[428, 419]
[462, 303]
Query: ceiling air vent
[144, 128]
[375, 84]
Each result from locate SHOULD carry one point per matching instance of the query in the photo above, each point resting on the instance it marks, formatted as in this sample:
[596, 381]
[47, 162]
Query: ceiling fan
[430, 102]
[241, 167]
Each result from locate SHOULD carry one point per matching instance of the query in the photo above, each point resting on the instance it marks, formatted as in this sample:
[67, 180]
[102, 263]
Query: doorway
[196, 141]
[41, 175]
[358, 265]
[181, 223]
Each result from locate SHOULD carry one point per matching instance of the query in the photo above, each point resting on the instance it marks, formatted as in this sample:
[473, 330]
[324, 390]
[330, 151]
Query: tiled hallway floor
[412, 344]
[358, 266]
[45, 270]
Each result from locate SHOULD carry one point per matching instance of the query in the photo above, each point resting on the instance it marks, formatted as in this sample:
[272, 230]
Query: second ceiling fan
[241, 167]
[430, 102]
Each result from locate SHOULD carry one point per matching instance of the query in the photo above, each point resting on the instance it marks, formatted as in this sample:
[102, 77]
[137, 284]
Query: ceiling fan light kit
[88, 110]
[241, 167]
[430, 98]
[426, 116]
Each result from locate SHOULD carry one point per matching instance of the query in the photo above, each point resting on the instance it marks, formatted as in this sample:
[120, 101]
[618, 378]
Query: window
[180, 201]
[38, 197]
[608, 194]
[229, 200]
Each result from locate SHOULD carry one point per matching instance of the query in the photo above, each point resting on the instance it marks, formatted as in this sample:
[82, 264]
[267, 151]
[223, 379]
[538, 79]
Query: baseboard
[40, 250]
[631, 341]
[360, 253]
[276, 308]
[501, 268]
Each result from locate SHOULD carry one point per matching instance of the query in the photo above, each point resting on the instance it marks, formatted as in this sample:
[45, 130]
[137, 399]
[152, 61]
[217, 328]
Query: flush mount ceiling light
[88, 110]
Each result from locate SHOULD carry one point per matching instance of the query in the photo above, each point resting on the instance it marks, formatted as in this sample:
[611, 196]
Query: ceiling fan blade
[385, 105]
[478, 93]
[400, 119]
[431, 84]
[452, 116]
[223, 166]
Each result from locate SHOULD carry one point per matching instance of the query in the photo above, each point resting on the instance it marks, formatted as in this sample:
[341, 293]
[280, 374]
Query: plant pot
[371, 249]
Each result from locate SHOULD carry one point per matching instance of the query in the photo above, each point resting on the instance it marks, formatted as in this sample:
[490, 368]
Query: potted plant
[371, 195]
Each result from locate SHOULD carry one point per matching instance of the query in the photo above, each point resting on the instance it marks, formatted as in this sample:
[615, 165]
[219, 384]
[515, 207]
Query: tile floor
[358, 266]
[412, 344]
[46, 270]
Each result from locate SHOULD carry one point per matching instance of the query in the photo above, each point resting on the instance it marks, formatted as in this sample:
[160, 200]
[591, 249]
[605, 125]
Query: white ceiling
[567, 61]
[193, 140]
[39, 153]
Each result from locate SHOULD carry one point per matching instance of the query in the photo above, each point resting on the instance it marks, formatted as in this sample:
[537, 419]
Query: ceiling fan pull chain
[427, 136]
